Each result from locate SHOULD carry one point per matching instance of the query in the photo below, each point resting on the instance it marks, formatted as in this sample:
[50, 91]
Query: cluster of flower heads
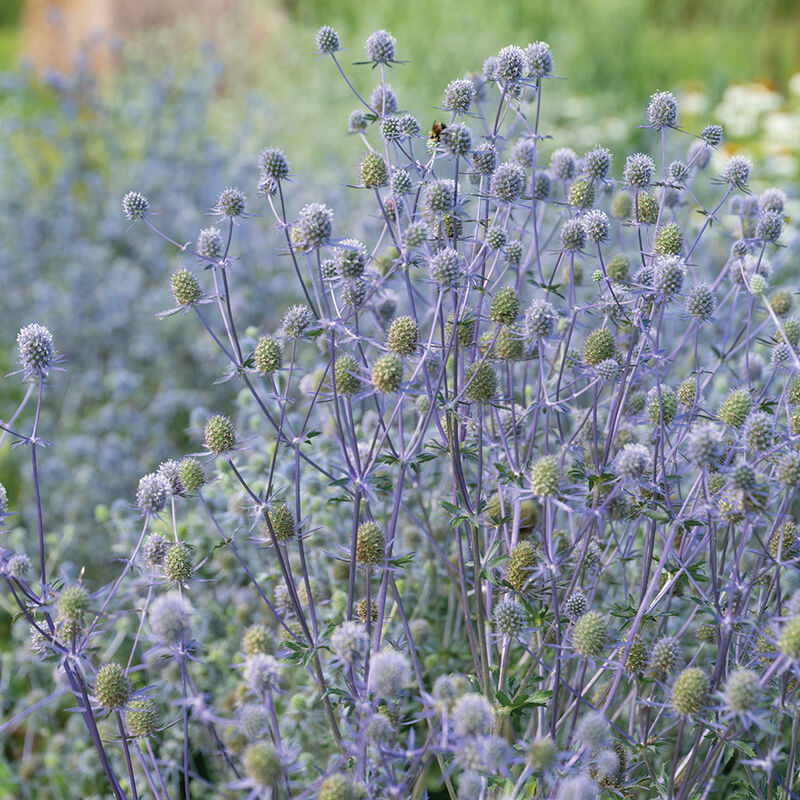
[510, 489]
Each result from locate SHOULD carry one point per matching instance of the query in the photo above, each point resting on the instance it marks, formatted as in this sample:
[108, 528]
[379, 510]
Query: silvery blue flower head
[597, 163]
[389, 673]
[380, 47]
[511, 64]
[540, 60]
[459, 95]
[327, 40]
[737, 172]
[639, 170]
[135, 206]
[663, 110]
[36, 351]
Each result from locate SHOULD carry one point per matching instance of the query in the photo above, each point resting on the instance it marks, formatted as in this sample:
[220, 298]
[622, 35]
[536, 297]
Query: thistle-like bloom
[152, 493]
[327, 40]
[508, 181]
[663, 110]
[36, 350]
[639, 170]
[737, 172]
[380, 47]
[350, 641]
[540, 60]
[171, 619]
[459, 95]
[472, 715]
[632, 461]
[135, 206]
[390, 671]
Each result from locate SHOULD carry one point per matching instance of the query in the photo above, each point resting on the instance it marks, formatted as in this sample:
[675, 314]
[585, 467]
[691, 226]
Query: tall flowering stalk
[509, 492]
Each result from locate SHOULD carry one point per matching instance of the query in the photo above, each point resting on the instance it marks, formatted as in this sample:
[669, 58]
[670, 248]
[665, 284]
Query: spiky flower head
[589, 634]
[18, 566]
[219, 434]
[457, 139]
[171, 619]
[743, 690]
[573, 235]
[439, 196]
[142, 718]
[357, 121]
[380, 47]
[135, 206]
[446, 267]
[581, 194]
[540, 319]
[701, 302]
[484, 158]
[281, 522]
[597, 226]
[337, 787]
[370, 544]
[383, 100]
[597, 163]
[511, 64]
[185, 287]
[268, 355]
[662, 404]
[459, 95]
[350, 641]
[639, 170]
[191, 474]
[496, 238]
[262, 764]
[327, 40]
[347, 375]
[521, 562]
[541, 186]
[703, 445]
[152, 493]
[540, 60]
[668, 275]
[509, 617]
[112, 688]
[257, 639]
[523, 151]
[178, 566]
[669, 239]
[757, 432]
[505, 306]
[789, 641]
[781, 301]
[170, 471]
[272, 162]
[374, 172]
[576, 604]
[599, 346]
[690, 691]
[770, 226]
[593, 730]
[735, 408]
[618, 268]
[663, 110]
[508, 182]
[403, 336]
[481, 382]
[36, 350]
[230, 203]
[546, 476]
[389, 673]
[262, 673]
[73, 603]
[637, 659]
[712, 135]
[314, 226]
[542, 752]
[782, 544]
[737, 172]
[387, 373]
[664, 655]
[787, 470]
[472, 715]
[632, 461]
[563, 163]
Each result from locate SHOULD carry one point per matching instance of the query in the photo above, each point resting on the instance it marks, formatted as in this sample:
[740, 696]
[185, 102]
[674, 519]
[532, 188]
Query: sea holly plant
[505, 504]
